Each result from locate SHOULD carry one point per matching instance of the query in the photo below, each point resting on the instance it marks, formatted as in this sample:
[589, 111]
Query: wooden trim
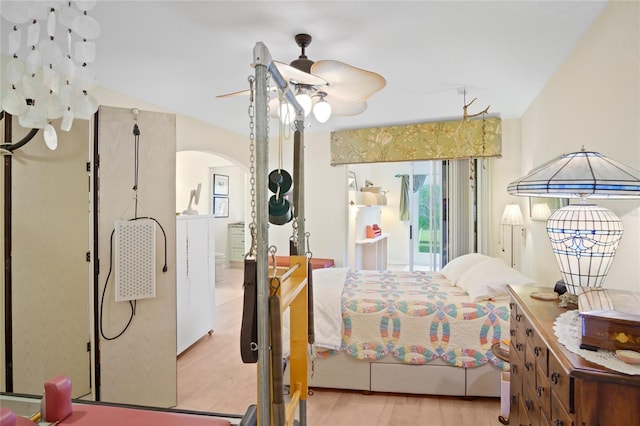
[8, 311]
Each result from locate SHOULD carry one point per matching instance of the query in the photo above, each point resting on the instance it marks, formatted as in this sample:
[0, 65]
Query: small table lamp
[540, 211]
[512, 216]
[584, 237]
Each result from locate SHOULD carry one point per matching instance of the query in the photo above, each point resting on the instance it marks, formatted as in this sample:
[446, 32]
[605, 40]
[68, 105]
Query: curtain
[404, 197]
[418, 181]
[444, 140]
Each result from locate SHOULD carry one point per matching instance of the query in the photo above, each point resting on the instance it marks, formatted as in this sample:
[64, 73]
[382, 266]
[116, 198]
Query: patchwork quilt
[417, 317]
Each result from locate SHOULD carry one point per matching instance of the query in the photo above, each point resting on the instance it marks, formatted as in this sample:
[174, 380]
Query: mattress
[413, 317]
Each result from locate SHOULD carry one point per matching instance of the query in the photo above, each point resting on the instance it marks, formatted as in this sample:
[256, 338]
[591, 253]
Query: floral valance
[442, 140]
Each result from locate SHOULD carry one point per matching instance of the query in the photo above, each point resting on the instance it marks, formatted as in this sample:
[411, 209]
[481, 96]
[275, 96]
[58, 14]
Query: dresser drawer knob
[557, 422]
[519, 347]
[528, 404]
[518, 317]
[512, 305]
[539, 390]
[527, 365]
[555, 378]
[528, 332]
[537, 350]
[512, 332]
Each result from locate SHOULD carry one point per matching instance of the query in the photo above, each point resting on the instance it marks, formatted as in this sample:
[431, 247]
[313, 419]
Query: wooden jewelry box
[610, 319]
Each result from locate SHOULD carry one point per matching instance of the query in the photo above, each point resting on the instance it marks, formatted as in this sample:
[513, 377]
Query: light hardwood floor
[212, 377]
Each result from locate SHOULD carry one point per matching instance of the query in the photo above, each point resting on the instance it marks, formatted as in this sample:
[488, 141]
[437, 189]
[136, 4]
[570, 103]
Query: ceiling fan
[326, 87]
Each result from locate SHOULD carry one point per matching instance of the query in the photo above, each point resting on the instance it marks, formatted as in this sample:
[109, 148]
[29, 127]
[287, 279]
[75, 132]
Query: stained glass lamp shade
[584, 237]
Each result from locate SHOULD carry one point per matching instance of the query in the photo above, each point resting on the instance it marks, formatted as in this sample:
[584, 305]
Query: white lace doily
[568, 330]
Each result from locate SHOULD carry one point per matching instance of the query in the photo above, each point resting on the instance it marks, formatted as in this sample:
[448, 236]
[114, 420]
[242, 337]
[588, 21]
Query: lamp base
[584, 238]
[566, 299]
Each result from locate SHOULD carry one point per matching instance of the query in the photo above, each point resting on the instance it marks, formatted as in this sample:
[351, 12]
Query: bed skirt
[390, 375]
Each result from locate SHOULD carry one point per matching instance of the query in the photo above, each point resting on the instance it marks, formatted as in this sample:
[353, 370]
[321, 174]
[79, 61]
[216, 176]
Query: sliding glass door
[431, 211]
[427, 218]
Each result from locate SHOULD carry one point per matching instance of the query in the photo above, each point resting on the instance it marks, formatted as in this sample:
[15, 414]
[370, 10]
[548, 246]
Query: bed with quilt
[420, 332]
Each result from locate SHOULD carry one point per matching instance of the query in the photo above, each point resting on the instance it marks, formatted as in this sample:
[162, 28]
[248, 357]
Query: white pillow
[489, 279]
[461, 264]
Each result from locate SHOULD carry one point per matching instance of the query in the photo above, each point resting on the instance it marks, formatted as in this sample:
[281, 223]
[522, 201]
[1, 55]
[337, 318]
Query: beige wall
[593, 99]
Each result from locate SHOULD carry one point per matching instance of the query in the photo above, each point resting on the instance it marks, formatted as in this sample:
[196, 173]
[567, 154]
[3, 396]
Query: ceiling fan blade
[343, 107]
[240, 93]
[348, 82]
[230, 95]
[296, 76]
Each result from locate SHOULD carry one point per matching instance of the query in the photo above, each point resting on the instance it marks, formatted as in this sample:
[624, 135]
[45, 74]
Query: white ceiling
[180, 54]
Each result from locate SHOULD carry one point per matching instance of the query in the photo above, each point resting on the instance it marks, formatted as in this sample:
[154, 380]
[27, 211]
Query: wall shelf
[371, 253]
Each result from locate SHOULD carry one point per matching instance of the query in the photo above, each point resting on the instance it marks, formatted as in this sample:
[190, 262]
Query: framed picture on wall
[220, 185]
[221, 206]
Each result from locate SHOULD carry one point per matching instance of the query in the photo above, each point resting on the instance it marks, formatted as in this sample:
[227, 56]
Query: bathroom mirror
[540, 208]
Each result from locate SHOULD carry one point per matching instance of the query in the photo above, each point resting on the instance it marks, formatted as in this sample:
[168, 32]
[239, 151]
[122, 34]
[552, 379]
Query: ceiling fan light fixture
[302, 63]
[305, 102]
[322, 110]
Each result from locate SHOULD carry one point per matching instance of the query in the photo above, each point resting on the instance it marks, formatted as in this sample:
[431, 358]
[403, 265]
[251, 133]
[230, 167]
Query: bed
[413, 332]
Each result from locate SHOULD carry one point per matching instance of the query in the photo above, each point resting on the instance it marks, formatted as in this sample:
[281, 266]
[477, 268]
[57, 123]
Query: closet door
[139, 366]
[50, 293]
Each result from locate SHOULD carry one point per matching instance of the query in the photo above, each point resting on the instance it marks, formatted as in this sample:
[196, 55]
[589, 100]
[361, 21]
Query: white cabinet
[236, 242]
[371, 253]
[195, 283]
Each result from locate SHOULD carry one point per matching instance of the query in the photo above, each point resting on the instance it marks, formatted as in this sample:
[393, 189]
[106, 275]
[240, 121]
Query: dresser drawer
[522, 416]
[517, 372]
[534, 343]
[237, 254]
[543, 392]
[559, 415]
[513, 309]
[530, 365]
[518, 324]
[237, 240]
[531, 405]
[560, 384]
[541, 353]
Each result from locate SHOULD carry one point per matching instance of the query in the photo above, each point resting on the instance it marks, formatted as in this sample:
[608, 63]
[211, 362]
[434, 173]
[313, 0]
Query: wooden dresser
[552, 386]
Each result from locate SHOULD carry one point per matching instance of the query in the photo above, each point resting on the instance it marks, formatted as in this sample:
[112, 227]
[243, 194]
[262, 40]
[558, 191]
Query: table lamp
[584, 236]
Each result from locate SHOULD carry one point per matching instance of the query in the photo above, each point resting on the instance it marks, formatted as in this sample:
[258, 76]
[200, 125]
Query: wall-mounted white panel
[135, 259]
